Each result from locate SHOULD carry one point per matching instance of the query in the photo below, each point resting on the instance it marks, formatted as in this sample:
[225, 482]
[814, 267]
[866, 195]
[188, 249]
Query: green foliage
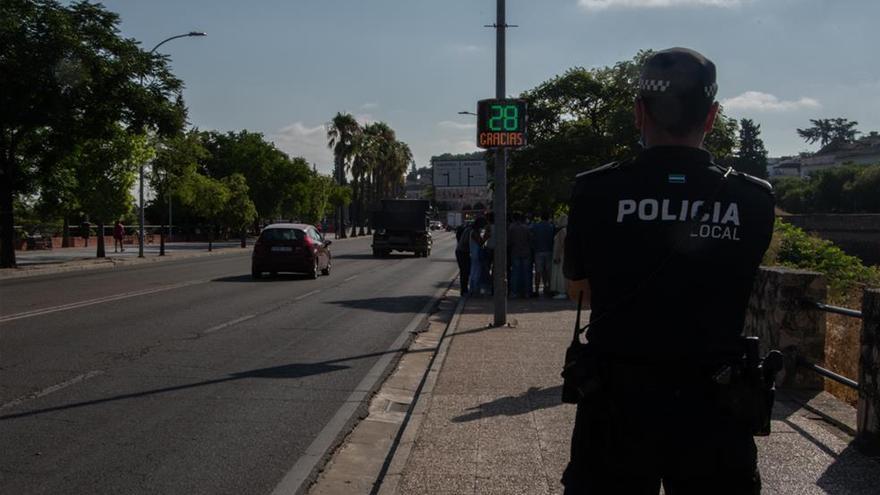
[239, 211]
[271, 175]
[68, 78]
[795, 248]
[752, 155]
[846, 189]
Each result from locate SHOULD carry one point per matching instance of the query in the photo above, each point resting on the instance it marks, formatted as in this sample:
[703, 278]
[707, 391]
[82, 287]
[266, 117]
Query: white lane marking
[307, 294]
[302, 469]
[228, 324]
[92, 302]
[350, 278]
[54, 388]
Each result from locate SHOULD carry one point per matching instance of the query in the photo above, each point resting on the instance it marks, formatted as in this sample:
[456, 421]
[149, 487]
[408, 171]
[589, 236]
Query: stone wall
[857, 234]
[778, 316]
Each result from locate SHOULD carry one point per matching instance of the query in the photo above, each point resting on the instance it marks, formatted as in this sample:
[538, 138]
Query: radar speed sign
[501, 123]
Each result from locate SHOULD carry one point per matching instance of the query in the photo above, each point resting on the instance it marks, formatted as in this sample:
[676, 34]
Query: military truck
[401, 225]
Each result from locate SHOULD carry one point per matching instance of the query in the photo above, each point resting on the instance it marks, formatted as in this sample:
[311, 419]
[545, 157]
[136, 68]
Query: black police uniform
[670, 243]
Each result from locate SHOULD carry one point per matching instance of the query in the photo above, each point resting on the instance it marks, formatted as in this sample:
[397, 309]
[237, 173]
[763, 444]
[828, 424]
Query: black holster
[746, 390]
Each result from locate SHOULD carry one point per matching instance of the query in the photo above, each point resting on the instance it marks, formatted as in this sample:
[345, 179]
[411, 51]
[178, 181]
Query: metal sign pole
[499, 230]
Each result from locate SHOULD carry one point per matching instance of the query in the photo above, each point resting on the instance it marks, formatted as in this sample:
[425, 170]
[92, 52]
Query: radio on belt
[501, 123]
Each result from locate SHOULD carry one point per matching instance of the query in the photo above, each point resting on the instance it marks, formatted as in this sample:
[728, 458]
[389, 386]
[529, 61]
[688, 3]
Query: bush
[795, 248]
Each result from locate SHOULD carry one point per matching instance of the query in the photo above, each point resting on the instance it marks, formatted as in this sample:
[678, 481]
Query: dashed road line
[350, 278]
[54, 388]
[307, 294]
[228, 324]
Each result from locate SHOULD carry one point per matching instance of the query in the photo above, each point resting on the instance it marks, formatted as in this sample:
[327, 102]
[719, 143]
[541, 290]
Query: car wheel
[428, 253]
[326, 270]
[377, 253]
[315, 271]
[256, 274]
[274, 274]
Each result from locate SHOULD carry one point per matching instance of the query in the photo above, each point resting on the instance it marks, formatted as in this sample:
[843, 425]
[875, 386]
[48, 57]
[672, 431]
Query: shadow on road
[401, 304]
[286, 371]
[533, 399]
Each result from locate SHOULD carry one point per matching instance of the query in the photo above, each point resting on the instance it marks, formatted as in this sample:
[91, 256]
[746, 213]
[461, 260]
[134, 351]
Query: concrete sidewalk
[491, 420]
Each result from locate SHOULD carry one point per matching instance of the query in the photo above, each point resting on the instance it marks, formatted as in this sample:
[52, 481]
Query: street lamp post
[141, 174]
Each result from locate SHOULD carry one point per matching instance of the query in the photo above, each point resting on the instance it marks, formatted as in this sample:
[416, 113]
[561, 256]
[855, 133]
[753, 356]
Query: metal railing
[803, 363]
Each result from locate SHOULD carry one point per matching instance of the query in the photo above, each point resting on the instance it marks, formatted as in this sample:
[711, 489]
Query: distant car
[436, 225]
[291, 247]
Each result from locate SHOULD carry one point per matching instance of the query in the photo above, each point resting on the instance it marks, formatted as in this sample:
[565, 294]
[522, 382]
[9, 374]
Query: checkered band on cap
[711, 90]
[658, 85]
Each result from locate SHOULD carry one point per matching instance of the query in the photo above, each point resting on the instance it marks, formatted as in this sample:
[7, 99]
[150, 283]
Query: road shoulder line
[297, 480]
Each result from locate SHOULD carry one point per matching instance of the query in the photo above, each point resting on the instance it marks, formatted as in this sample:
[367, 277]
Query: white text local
[666, 210]
[718, 221]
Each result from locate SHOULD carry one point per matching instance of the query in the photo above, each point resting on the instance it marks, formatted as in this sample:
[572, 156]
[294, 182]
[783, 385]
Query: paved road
[187, 376]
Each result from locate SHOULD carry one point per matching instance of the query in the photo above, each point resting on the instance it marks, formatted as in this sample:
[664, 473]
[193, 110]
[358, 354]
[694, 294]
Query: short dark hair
[677, 116]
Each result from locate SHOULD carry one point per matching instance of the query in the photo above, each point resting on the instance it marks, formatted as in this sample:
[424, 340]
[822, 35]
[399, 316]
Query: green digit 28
[504, 117]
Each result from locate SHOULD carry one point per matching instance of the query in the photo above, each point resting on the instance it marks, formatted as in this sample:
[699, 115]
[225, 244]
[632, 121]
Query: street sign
[501, 123]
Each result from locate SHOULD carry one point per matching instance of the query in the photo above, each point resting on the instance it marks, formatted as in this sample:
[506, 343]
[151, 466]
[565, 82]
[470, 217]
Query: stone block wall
[778, 316]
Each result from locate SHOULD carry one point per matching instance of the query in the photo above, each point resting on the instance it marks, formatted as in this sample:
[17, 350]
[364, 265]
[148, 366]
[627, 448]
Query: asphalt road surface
[187, 376]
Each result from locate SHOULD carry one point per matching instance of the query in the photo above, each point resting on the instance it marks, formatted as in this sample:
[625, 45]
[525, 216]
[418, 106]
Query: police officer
[666, 246]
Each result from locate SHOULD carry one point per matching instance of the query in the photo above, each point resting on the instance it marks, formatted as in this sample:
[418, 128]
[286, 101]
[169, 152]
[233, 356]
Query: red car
[291, 247]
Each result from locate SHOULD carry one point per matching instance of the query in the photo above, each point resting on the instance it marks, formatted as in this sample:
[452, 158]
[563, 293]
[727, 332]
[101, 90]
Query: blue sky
[284, 68]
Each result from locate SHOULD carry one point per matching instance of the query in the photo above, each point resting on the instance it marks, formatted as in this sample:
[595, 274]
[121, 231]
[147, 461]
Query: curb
[108, 263]
[388, 481]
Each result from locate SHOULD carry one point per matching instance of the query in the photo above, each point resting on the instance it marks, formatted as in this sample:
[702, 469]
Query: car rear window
[282, 235]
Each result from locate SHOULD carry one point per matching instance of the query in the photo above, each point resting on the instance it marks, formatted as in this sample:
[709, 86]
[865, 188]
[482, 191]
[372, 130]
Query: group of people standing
[535, 255]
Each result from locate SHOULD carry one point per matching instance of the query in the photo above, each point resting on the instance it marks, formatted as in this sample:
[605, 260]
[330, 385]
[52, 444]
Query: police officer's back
[669, 244]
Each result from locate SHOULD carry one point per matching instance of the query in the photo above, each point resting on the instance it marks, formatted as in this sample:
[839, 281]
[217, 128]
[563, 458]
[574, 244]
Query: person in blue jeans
[542, 240]
[476, 246]
[519, 242]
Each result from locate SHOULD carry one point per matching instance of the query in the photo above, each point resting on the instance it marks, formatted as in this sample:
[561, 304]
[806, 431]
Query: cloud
[298, 139]
[466, 49]
[448, 124]
[370, 105]
[764, 102]
[638, 4]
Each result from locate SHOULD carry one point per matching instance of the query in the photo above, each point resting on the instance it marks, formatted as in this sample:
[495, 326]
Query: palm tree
[341, 134]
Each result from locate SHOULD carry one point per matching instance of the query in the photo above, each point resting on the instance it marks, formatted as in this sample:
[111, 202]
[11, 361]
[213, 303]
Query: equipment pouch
[580, 375]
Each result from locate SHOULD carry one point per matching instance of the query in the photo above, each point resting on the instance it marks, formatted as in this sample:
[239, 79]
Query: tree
[341, 135]
[829, 131]
[752, 156]
[208, 197]
[75, 79]
[105, 174]
[177, 160]
[239, 211]
[267, 169]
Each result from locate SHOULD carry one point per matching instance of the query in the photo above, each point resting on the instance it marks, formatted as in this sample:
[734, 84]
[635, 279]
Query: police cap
[678, 84]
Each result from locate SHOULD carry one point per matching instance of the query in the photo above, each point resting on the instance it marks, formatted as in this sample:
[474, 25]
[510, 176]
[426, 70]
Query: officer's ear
[710, 118]
[639, 110]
